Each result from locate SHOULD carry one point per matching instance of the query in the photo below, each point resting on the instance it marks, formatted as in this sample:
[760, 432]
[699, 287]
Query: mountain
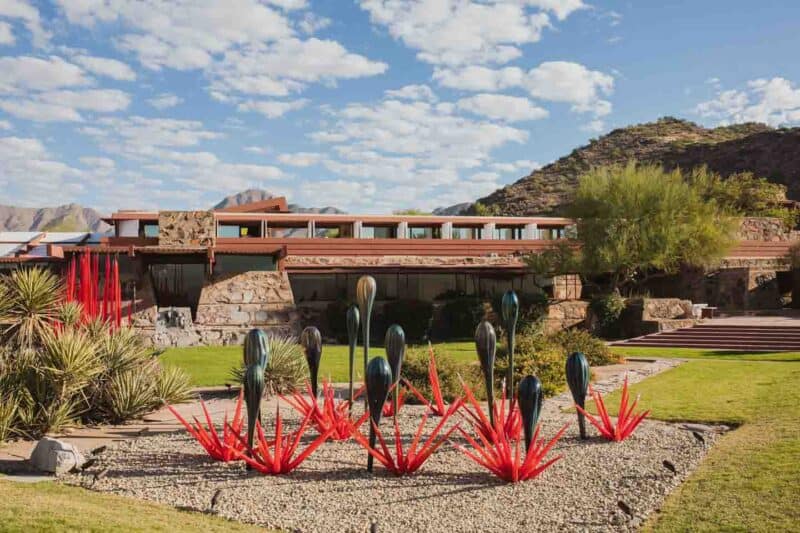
[70, 217]
[257, 195]
[453, 210]
[767, 152]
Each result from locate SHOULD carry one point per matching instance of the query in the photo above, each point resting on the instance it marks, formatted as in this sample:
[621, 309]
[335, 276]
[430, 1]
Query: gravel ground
[331, 491]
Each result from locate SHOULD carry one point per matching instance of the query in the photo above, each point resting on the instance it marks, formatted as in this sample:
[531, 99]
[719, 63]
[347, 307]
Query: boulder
[55, 456]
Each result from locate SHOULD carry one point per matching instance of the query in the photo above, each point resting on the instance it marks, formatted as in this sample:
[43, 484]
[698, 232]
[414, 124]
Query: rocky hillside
[71, 217]
[768, 152]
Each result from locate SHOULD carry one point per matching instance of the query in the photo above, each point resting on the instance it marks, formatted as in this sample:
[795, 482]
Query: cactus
[353, 320]
[510, 311]
[530, 400]
[365, 296]
[578, 381]
[379, 381]
[395, 351]
[311, 340]
[486, 346]
[256, 358]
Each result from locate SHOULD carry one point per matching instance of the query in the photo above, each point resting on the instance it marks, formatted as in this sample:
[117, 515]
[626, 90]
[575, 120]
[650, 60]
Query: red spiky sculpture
[222, 449]
[627, 420]
[83, 286]
[333, 415]
[437, 406]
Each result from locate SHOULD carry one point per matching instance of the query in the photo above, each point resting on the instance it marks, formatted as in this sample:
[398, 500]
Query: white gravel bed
[332, 491]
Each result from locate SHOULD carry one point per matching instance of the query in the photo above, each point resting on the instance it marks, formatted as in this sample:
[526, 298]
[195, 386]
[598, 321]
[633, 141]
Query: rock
[55, 456]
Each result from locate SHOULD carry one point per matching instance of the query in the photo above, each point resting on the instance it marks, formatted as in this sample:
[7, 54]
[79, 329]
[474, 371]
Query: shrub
[8, 412]
[451, 373]
[532, 308]
[607, 309]
[459, 317]
[286, 369]
[413, 315]
[596, 351]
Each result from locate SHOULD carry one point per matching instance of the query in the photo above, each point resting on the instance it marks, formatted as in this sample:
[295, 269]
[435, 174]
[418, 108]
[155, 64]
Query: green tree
[412, 212]
[637, 220]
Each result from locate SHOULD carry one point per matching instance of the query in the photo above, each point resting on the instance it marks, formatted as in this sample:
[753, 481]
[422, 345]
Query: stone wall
[368, 261]
[651, 315]
[229, 307]
[186, 228]
[565, 314]
[768, 229]
[567, 287]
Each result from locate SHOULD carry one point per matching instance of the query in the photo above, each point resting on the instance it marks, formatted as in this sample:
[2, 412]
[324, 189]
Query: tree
[637, 220]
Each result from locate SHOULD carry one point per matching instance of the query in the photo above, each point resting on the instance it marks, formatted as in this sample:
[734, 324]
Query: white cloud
[23, 10]
[312, 23]
[594, 126]
[165, 101]
[260, 150]
[412, 92]
[300, 159]
[773, 101]
[5, 125]
[477, 78]
[6, 33]
[273, 108]
[563, 81]
[502, 107]
[464, 32]
[23, 73]
[287, 66]
[100, 163]
[40, 111]
[243, 46]
[100, 100]
[520, 165]
[110, 68]
[29, 174]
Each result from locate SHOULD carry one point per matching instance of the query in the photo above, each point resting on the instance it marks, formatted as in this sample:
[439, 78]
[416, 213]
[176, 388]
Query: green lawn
[750, 480]
[699, 353]
[211, 365]
[49, 506]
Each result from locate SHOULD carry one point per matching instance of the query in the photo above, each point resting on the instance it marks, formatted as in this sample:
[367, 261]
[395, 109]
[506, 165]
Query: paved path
[13, 456]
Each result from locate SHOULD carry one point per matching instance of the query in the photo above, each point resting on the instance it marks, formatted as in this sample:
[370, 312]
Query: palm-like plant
[31, 297]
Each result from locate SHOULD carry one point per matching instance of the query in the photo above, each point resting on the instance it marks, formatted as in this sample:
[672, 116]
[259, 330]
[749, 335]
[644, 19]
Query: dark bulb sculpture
[353, 321]
[510, 310]
[311, 340]
[379, 381]
[530, 400]
[256, 358]
[486, 346]
[365, 296]
[395, 343]
[578, 381]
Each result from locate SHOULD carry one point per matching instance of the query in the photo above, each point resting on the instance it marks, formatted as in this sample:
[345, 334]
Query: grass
[751, 478]
[700, 353]
[210, 366]
[49, 506]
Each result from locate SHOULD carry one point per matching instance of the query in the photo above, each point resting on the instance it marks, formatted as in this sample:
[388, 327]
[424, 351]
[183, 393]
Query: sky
[367, 105]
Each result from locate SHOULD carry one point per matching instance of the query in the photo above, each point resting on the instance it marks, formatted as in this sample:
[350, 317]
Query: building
[207, 277]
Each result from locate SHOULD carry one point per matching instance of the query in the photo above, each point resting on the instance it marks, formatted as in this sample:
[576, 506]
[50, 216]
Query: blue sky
[367, 105]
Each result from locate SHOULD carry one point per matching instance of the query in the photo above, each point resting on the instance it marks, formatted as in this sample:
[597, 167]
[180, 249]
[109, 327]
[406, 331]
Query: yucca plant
[70, 363]
[286, 368]
[129, 394]
[31, 297]
[172, 385]
[8, 412]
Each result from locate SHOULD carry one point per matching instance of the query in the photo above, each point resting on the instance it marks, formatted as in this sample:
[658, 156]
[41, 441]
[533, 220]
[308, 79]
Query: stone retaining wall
[186, 228]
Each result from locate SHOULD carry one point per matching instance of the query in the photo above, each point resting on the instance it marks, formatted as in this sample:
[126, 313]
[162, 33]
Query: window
[466, 233]
[150, 229]
[235, 263]
[178, 285]
[434, 232]
[508, 234]
[237, 231]
[378, 232]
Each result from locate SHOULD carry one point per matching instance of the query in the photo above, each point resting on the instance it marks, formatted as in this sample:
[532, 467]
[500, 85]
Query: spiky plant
[286, 368]
[69, 314]
[31, 304]
[129, 394]
[70, 362]
[8, 412]
[172, 385]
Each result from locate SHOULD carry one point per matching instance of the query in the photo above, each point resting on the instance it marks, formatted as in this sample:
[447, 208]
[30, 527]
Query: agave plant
[285, 370]
[627, 420]
[8, 412]
[230, 445]
[332, 414]
[437, 406]
[410, 460]
[278, 456]
[502, 457]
